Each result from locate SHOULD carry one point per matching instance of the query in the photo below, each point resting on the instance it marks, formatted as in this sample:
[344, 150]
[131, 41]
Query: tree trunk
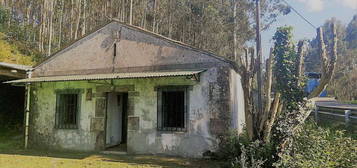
[78, 19]
[268, 125]
[170, 20]
[60, 25]
[154, 21]
[328, 67]
[300, 60]
[131, 13]
[267, 114]
[84, 17]
[71, 20]
[247, 77]
[51, 3]
[235, 30]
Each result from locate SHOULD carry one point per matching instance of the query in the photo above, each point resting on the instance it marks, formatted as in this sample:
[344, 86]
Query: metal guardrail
[347, 115]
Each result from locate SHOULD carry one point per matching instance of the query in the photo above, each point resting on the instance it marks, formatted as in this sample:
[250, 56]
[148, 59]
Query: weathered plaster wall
[237, 101]
[43, 107]
[209, 115]
[136, 51]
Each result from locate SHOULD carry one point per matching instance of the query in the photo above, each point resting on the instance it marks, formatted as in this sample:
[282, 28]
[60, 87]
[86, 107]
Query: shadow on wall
[11, 106]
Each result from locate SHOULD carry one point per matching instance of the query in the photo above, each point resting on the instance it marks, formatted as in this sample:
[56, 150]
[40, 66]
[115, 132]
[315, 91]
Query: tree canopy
[343, 84]
[48, 25]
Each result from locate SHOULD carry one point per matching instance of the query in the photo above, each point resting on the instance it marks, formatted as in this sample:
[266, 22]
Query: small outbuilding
[122, 88]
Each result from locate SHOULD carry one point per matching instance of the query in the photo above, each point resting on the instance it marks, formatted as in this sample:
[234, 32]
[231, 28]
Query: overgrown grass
[351, 102]
[339, 126]
[328, 145]
[320, 147]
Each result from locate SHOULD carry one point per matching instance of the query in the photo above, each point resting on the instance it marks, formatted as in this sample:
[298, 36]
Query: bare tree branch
[300, 58]
[328, 67]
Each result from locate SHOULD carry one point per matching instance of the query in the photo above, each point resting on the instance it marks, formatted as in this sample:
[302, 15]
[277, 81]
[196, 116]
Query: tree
[288, 110]
[285, 69]
[351, 31]
[208, 25]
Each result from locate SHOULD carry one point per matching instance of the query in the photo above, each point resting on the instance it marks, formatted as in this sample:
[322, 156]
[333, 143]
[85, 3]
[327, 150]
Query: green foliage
[4, 18]
[285, 69]
[239, 152]
[318, 147]
[351, 31]
[11, 52]
[14, 43]
[310, 146]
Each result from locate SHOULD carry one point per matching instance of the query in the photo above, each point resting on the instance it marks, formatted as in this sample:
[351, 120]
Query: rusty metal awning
[107, 76]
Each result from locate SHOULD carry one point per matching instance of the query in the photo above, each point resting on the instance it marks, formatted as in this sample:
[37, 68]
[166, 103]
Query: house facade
[124, 88]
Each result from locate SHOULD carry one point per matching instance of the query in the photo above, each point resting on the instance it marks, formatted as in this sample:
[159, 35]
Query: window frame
[58, 123]
[161, 89]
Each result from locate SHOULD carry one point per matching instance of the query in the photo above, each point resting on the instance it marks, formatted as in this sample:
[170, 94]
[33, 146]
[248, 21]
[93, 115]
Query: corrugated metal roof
[15, 66]
[106, 76]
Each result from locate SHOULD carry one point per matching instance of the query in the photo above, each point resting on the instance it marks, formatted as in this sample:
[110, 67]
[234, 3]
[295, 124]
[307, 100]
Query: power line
[298, 13]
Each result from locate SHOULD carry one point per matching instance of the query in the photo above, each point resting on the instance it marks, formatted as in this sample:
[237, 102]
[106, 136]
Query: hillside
[10, 52]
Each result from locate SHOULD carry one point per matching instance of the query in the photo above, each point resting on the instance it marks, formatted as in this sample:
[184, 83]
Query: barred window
[67, 109]
[172, 108]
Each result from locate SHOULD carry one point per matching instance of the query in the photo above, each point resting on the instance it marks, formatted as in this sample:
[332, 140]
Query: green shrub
[318, 147]
[237, 151]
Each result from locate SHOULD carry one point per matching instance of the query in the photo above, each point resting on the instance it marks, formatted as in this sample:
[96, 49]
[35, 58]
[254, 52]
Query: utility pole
[259, 57]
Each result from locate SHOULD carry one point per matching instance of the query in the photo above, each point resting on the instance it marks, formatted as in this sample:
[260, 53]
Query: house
[11, 97]
[124, 88]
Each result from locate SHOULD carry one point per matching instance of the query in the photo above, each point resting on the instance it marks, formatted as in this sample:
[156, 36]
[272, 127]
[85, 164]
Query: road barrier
[338, 114]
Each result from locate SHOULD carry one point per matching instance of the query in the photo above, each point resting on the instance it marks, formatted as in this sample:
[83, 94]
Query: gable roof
[135, 28]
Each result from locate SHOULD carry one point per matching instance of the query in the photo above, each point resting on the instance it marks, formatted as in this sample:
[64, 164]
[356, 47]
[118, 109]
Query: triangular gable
[136, 50]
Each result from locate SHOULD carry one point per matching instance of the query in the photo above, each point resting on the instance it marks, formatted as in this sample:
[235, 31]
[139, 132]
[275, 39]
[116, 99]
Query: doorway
[116, 121]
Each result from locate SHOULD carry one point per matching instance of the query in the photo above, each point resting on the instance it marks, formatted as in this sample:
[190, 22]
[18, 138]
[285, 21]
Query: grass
[66, 160]
[10, 139]
[351, 102]
[12, 155]
[335, 125]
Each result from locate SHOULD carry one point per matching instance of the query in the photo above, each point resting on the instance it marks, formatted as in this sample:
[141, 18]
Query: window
[67, 109]
[172, 108]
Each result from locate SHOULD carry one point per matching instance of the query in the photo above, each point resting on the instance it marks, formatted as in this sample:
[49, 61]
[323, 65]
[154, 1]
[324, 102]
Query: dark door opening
[116, 121]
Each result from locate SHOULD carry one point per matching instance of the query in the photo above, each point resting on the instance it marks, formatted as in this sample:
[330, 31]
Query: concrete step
[114, 152]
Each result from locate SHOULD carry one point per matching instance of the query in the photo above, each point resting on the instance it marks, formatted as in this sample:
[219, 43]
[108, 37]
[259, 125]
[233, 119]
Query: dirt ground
[41, 159]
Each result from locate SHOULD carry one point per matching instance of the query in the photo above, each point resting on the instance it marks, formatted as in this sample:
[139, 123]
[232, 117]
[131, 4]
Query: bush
[311, 146]
[318, 147]
[237, 151]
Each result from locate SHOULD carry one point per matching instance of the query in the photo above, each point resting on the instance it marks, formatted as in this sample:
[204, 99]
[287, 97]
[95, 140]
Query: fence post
[347, 117]
[316, 111]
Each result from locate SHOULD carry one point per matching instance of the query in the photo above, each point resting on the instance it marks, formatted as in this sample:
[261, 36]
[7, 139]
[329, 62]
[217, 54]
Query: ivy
[285, 70]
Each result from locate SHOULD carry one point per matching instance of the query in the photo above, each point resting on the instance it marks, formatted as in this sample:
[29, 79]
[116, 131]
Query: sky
[316, 11]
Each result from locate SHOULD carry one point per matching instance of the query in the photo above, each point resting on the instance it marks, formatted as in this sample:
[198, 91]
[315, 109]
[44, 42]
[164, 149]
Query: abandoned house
[124, 88]
[12, 97]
